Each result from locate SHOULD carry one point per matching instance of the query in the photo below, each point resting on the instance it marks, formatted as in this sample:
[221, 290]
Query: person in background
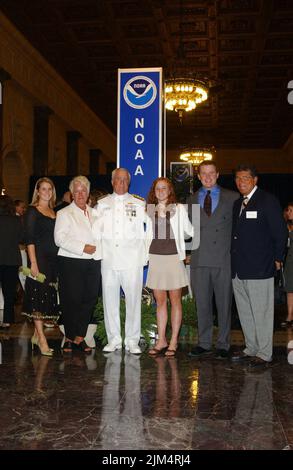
[40, 299]
[11, 235]
[79, 264]
[259, 236]
[210, 266]
[288, 271]
[121, 222]
[166, 272]
[95, 195]
[66, 200]
[20, 208]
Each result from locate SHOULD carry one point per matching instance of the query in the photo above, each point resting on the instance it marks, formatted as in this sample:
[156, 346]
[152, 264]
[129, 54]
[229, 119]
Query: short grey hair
[124, 169]
[81, 180]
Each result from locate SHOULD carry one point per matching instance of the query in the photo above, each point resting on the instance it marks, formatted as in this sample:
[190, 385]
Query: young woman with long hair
[40, 301]
[167, 273]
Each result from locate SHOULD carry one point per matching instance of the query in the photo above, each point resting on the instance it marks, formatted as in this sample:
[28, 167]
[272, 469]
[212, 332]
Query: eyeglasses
[243, 178]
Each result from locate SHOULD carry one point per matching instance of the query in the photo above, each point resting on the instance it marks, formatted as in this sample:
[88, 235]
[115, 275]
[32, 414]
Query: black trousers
[79, 282]
[8, 280]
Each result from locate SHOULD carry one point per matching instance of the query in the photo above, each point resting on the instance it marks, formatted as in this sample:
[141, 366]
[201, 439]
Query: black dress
[40, 300]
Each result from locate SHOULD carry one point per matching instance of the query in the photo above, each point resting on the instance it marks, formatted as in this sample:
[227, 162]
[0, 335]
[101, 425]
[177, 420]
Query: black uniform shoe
[221, 354]
[240, 357]
[258, 363]
[198, 351]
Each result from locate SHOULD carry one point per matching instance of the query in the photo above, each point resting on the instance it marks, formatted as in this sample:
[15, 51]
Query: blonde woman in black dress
[40, 302]
[167, 273]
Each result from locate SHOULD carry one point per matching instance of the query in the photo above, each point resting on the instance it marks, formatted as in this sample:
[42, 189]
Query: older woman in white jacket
[79, 258]
[167, 274]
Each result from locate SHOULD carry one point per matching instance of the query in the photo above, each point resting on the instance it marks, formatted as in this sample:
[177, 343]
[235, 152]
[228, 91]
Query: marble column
[72, 152]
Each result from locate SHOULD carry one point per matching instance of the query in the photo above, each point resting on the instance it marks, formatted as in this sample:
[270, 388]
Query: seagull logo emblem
[140, 92]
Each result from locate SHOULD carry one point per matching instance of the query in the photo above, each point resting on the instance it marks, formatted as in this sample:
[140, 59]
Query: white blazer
[73, 230]
[182, 229]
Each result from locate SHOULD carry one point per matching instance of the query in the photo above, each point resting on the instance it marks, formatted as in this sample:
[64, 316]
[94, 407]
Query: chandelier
[197, 155]
[184, 94]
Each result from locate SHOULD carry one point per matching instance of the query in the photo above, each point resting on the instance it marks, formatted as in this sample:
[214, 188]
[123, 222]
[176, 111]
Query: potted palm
[148, 320]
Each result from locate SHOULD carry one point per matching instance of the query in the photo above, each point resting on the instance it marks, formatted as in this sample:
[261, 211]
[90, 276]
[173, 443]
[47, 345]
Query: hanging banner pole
[139, 126]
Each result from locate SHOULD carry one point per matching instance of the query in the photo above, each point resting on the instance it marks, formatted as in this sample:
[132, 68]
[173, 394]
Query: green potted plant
[148, 320]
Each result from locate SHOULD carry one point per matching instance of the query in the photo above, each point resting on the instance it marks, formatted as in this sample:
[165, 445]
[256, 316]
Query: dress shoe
[133, 347]
[82, 346]
[112, 346]
[287, 324]
[221, 354]
[257, 363]
[240, 357]
[198, 351]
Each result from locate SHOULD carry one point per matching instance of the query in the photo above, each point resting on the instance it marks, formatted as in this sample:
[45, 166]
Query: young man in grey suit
[210, 267]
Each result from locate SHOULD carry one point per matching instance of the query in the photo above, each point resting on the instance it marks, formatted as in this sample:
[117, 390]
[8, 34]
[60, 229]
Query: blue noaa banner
[139, 127]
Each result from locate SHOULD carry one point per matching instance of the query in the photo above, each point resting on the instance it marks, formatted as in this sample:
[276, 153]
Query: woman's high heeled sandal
[171, 352]
[35, 342]
[157, 351]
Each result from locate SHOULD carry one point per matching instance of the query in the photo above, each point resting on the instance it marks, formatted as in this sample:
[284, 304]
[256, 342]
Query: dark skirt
[41, 299]
[40, 302]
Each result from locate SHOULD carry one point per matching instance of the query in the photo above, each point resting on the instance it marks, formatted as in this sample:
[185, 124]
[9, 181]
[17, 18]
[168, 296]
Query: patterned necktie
[244, 204]
[207, 203]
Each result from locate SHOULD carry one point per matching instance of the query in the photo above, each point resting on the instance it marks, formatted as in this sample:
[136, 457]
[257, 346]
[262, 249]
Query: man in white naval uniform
[121, 226]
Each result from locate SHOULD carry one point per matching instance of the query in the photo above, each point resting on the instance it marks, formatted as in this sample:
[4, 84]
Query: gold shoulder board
[138, 197]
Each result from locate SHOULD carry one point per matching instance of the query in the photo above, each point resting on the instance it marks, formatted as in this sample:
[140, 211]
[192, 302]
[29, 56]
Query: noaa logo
[140, 92]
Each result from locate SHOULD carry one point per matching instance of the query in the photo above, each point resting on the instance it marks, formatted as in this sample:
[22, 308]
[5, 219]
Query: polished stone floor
[121, 401]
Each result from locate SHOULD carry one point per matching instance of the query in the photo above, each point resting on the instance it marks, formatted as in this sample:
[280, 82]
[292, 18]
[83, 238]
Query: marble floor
[122, 401]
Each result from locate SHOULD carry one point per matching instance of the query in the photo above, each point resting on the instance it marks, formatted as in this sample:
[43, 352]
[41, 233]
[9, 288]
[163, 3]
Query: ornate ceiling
[243, 47]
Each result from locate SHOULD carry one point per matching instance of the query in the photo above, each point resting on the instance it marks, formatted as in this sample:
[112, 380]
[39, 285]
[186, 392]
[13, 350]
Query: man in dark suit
[210, 269]
[259, 237]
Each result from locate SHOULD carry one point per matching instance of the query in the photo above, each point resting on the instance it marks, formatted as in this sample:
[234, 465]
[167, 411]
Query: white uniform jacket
[73, 230]
[121, 221]
[182, 229]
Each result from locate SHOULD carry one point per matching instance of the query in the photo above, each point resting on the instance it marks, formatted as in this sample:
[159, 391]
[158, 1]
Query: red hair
[151, 199]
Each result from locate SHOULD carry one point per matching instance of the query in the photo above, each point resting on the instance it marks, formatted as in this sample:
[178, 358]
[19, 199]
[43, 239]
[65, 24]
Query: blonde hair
[81, 180]
[35, 198]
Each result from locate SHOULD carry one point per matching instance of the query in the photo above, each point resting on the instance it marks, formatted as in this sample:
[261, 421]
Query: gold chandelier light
[197, 155]
[184, 94]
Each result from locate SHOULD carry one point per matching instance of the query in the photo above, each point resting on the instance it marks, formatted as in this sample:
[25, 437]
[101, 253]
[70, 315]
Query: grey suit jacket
[215, 232]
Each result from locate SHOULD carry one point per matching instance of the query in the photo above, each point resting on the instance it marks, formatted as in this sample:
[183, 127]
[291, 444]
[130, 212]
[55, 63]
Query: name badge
[251, 214]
